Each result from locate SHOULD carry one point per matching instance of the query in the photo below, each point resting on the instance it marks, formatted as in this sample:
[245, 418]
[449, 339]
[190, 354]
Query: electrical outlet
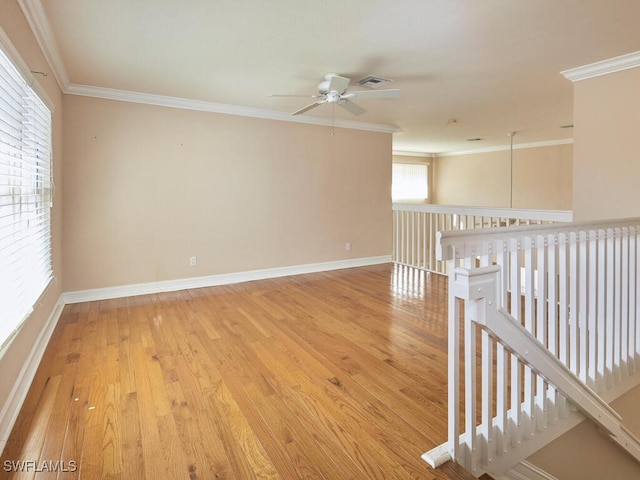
[193, 261]
[348, 246]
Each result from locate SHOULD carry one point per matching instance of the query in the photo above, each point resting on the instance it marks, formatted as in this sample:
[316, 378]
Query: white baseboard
[214, 280]
[11, 408]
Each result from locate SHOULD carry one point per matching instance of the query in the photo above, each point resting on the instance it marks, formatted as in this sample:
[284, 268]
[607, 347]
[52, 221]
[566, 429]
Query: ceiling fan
[334, 89]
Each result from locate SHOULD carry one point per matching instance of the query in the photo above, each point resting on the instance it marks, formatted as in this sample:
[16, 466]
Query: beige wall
[13, 358]
[607, 156]
[586, 454]
[148, 187]
[542, 178]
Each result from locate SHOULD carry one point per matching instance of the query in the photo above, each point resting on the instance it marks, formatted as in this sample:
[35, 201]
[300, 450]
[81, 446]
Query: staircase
[544, 331]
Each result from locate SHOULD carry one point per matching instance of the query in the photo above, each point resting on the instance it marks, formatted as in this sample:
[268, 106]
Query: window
[25, 197]
[409, 181]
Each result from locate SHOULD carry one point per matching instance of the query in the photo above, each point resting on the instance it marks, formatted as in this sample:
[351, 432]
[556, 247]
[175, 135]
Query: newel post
[479, 289]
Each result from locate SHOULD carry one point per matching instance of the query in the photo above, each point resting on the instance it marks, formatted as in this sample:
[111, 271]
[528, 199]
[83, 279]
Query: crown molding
[605, 67]
[410, 153]
[37, 19]
[204, 106]
[549, 143]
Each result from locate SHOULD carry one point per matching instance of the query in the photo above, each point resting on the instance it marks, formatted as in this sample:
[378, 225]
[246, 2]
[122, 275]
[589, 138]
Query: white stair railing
[415, 227]
[551, 333]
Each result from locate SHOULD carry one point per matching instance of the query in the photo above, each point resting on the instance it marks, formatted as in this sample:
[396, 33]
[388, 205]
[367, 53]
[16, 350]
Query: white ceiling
[492, 65]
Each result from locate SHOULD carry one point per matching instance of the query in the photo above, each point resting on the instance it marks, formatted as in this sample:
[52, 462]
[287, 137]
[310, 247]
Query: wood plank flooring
[335, 375]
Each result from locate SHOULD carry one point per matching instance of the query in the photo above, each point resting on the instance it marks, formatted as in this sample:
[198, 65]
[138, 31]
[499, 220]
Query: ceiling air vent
[372, 82]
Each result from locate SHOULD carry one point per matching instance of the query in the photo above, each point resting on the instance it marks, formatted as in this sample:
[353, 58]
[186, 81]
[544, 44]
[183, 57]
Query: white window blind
[25, 198]
[409, 181]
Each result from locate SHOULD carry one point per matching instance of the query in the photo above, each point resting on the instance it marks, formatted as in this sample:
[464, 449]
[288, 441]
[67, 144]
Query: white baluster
[454, 366]
[552, 319]
[624, 302]
[502, 359]
[516, 383]
[541, 328]
[592, 320]
[426, 242]
[529, 313]
[573, 303]
[433, 264]
[633, 285]
[563, 309]
[617, 307]
[487, 399]
[582, 281]
[601, 317]
[610, 317]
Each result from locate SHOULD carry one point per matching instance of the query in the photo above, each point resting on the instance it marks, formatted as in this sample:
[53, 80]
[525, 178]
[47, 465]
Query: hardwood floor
[330, 375]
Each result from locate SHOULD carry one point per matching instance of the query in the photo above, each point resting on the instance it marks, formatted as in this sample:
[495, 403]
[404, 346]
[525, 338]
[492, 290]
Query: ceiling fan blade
[337, 83]
[309, 107]
[352, 107]
[298, 96]
[390, 93]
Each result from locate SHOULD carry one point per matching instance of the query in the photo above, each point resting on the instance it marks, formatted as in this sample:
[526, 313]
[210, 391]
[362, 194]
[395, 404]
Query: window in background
[25, 198]
[409, 181]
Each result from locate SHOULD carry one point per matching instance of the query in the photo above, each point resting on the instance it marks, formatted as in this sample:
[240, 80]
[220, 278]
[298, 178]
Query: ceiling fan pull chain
[333, 119]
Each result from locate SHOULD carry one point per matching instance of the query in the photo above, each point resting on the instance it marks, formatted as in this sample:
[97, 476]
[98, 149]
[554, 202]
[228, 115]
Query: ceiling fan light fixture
[333, 96]
[333, 89]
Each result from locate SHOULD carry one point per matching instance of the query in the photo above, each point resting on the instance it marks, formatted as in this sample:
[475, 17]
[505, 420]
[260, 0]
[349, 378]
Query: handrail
[502, 212]
[530, 351]
[569, 296]
[459, 244]
[415, 227]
